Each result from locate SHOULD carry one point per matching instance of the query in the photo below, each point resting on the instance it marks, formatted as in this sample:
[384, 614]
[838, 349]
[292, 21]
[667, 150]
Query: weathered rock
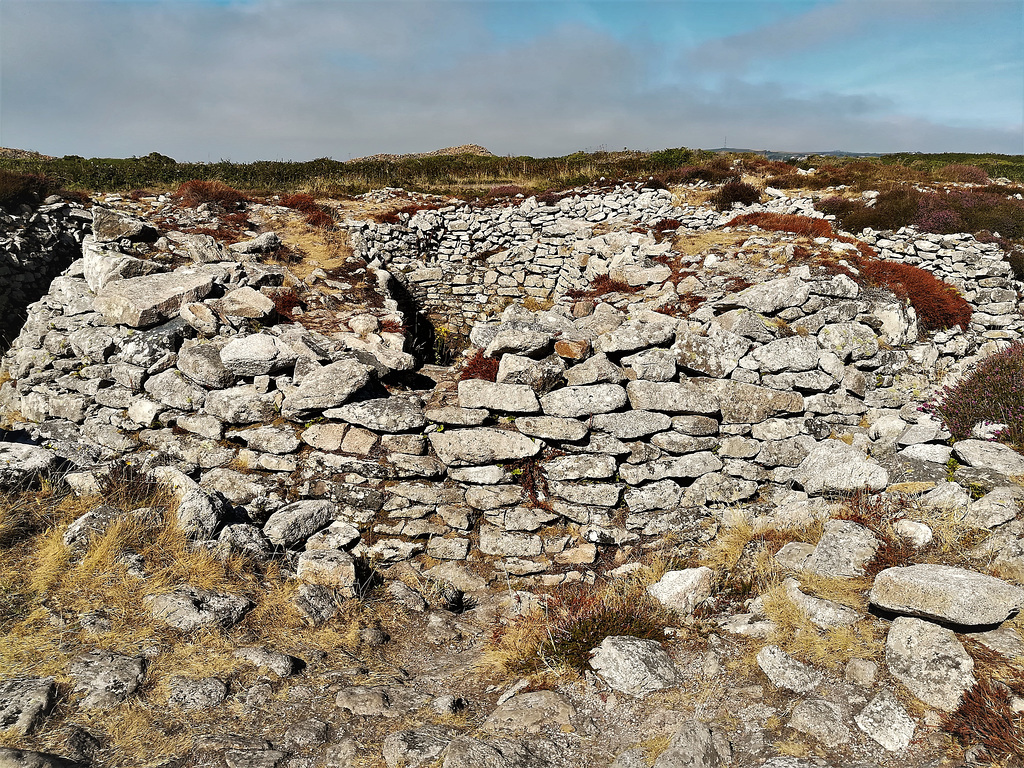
[21, 465]
[552, 428]
[849, 341]
[197, 514]
[994, 456]
[293, 523]
[110, 226]
[245, 302]
[825, 614]
[256, 355]
[203, 365]
[386, 414]
[996, 507]
[668, 397]
[795, 353]
[280, 664]
[106, 678]
[508, 398]
[241, 405]
[786, 672]
[188, 608]
[886, 721]
[580, 467]
[332, 568]
[716, 354]
[633, 666]
[574, 402]
[413, 748]
[632, 424]
[844, 549]
[774, 295]
[475, 447]
[691, 465]
[692, 746]
[141, 301]
[326, 387]
[531, 713]
[743, 403]
[24, 702]
[946, 593]
[682, 591]
[820, 720]
[929, 661]
[835, 467]
[196, 694]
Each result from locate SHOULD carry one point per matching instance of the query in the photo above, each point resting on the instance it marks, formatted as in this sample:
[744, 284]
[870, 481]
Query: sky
[244, 80]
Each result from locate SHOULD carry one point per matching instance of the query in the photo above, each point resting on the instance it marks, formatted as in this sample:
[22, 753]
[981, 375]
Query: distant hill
[23, 154]
[462, 149]
[776, 155]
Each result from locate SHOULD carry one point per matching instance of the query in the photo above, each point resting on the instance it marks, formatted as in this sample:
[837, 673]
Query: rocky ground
[696, 518]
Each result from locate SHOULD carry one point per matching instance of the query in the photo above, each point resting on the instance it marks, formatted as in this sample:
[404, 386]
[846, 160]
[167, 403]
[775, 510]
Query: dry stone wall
[35, 247]
[607, 426]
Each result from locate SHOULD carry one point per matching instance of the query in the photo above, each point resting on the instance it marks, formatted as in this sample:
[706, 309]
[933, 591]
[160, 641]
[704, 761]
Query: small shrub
[196, 192]
[300, 202]
[964, 174]
[783, 222]
[986, 717]
[735, 191]
[320, 219]
[506, 190]
[24, 188]
[574, 622]
[993, 391]
[602, 285]
[937, 304]
[479, 367]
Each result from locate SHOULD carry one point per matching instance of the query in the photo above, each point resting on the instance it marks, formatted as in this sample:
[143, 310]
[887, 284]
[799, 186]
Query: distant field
[460, 174]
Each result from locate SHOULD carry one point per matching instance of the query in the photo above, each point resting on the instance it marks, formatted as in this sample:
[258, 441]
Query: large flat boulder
[994, 456]
[946, 593]
[835, 467]
[142, 301]
[929, 661]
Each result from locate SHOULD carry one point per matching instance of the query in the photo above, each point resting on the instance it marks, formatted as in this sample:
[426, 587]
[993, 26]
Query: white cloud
[299, 80]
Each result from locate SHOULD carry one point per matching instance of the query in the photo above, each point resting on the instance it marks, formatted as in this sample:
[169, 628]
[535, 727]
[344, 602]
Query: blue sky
[299, 79]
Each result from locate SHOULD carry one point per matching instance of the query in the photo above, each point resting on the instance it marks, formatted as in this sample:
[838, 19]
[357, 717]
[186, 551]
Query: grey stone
[633, 666]
[786, 672]
[106, 678]
[580, 467]
[110, 226]
[743, 403]
[632, 424]
[475, 447]
[994, 456]
[946, 593]
[849, 341]
[269, 439]
[669, 397]
[188, 608]
[327, 387]
[197, 514]
[196, 694]
[774, 295]
[387, 414]
[332, 568]
[508, 398]
[795, 353]
[844, 550]
[141, 301]
[172, 389]
[929, 661]
[693, 746]
[531, 713]
[414, 748]
[664, 494]
[203, 365]
[24, 702]
[835, 467]
[824, 614]
[715, 354]
[691, 465]
[595, 370]
[293, 523]
[245, 302]
[574, 402]
[552, 428]
[256, 354]
[1001, 505]
[886, 721]
[820, 720]
[682, 591]
[21, 465]
[241, 405]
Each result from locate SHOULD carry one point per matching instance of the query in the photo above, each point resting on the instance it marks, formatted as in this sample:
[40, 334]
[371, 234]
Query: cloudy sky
[300, 79]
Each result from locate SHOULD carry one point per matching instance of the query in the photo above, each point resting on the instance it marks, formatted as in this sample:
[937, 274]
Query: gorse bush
[992, 392]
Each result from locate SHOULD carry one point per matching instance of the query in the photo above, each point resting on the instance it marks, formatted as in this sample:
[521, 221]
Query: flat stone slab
[836, 467]
[929, 661]
[141, 301]
[946, 593]
[995, 456]
[474, 447]
[633, 666]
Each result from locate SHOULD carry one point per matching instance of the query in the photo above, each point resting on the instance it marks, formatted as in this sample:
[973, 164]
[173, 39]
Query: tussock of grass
[574, 620]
